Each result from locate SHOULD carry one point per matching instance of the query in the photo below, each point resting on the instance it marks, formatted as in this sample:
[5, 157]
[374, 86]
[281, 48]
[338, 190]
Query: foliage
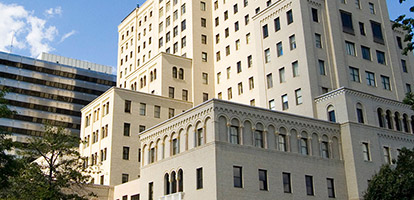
[58, 168]
[394, 182]
[409, 100]
[407, 25]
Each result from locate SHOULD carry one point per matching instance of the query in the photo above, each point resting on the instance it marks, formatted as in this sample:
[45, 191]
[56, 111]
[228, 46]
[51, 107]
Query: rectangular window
[218, 56]
[269, 79]
[227, 50]
[237, 44]
[127, 129]
[203, 22]
[226, 32]
[236, 26]
[125, 178]
[387, 155]
[377, 32]
[249, 61]
[354, 72]
[279, 48]
[289, 16]
[217, 21]
[331, 187]
[371, 8]
[141, 128]
[251, 83]
[408, 88]
[404, 66]
[281, 140]
[204, 56]
[295, 69]
[237, 177]
[202, 6]
[304, 146]
[171, 92]
[370, 78]
[272, 105]
[229, 93]
[125, 153]
[322, 70]
[347, 26]
[239, 67]
[246, 19]
[350, 48]
[182, 9]
[240, 88]
[287, 186]
[199, 178]
[385, 80]
[361, 28]
[282, 75]
[142, 109]
[366, 53]
[399, 42]
[205, 78]
[235, 9]
[157, 111]
[324, 148]
[183, 25]
[298, 96]
[205, 96]
[171, 112]
[292, 42]
[267, 55]
[285, 102]
[175, 146]
[247, 38]
[234, 135]
[365, 151]
[217, 38]
[265, 31]
[175, 31]
[381, 57]
[151, 191]
[315, 15]
[228, 70]
[360, 115]
[258, 139]
[127, 106]
[185, 95]
[277, 24]
[203, 39]
[263, 179]
[309, 185]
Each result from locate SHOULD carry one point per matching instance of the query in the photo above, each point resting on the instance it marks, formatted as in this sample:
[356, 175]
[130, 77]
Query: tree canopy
[407, 25]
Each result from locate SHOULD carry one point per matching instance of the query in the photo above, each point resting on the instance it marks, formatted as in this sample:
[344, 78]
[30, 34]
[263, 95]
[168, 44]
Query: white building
[314, 92]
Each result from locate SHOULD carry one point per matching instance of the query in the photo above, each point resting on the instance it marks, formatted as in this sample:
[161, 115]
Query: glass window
[234, 135]
[322, 70]
[292, 42]
[175, 146]
[125, 153]
[354, 72]
[237, 177]
[125, 178]
[309, 185]
[277, 24]
[371, 8]
[267, 55]
[171, 112]
[365, 151]
[287, 187]
[240, 88]
[318, 40]
[315, 15]
[347, 25]
[350, 48]
[251, 83]
[331, 187]
[127, 129]
[366, 54]
[387, 155]
[377, 32]
[381, 57]
[142, 109]
[282, 75]
[295, 69]
[298, 95]
[289, 16]
[262, 179]
[258, 138]
[279, 48]
[404, 66]
[361, 28]
[127, 106]
[199, 178]
[285, 103]
[269, 79]
[272, 104]
[282, 142]
[265, 31]
[370, 78]
[385, 80]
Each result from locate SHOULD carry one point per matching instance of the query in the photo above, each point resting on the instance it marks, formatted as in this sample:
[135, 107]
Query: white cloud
[27, 31]
[67, 35]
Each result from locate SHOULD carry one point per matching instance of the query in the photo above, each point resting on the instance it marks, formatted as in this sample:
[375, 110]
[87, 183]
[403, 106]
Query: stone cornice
[314, 3]
[399, 137]
[276, 12]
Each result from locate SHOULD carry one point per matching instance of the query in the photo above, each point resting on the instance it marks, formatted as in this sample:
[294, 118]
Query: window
[289, 16]
[295, 69]
[322, 70]
[331, 187]
[236, 26]
[246, 3]
[185, 95]
[361, 28]
[152, 155]
[399, 43]
[287, 186]
[203, 6]
[135, 197]
[227, 50]
[282, 75]
[205, 78]
[183, 42]
[251, 83]
[360, 114]
[304, 146]
[175, 47]
[387, 155]
[252, 102]
[292, 42]
[365, 151]
[315, 15]
[217, 21]
[234, 135]
[262, 179]
[205, 96]
[235, 8]
[203, 22]
[127, 107]
[183, 25]
[239, 67]
[249, 61]
[404, 66]
[408, 88]
[325, 149]
[246, 20]
[377, 32]
[258, 138]
[281, 140]
[279, 48]
[265, 31]
[370, 78]
[318, 40]
[371, 8]
[237, 44]
[285, 103]
[247, 38]
[151, 191]
[381, 57]
[350, 48]
[272, 105]
[203, 39]
[216, 5]
[240, 88]
[204, 56]
[200, 178]
[181, 73]
[171, 112]
[229, 93]
[277, 24]
[226, 15]
[298, 96]
[366, 54]
[354, 72]
[182, 9]
[309, 185]
[127, 129]
[125, 153]
[171, 92]
[385, 80]
[141, 128]
[226, 32]
[142, 109]
[347, 26]
[228, 70]
[199, 137]
[237, 177]
[125, 178]
[175, 146]
[331, 114]
[257, 10]
[269, 79]
[217, 38]
[267, 55]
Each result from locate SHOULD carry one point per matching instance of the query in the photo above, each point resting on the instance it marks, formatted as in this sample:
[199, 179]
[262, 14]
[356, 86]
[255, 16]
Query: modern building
[313, 94]
[47, 92]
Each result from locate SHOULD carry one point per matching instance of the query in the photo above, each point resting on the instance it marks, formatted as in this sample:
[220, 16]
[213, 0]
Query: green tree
[57, 173]
[8, 163]
[394, 182]
[409, 99]
[406, 24]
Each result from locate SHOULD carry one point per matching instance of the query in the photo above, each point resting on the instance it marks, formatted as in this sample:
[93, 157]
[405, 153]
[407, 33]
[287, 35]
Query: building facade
[45, 92]
[313, 94]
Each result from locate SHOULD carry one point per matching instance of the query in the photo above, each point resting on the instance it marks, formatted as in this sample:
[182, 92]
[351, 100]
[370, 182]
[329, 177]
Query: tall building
[47, 92]
[313, 90]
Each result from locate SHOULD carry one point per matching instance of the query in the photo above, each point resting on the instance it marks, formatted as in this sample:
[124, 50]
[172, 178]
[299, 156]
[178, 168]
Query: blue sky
[81, 29]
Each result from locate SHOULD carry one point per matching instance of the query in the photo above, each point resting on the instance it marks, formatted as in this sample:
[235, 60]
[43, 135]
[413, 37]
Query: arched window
[304, 144]
[325, 147]
[167, 184]
[155, 74]
[174, 72]
[397, 121]
[281, 140]
[173, 183]
[360, 113]
[151, 76]
[380, 118]
[331, 114]
[181, 74]
[180, 181]
[258, 136]
[388, 117]
[135, 85]
[234, 136]
[141, 85]
[405, 123]
[145, 80]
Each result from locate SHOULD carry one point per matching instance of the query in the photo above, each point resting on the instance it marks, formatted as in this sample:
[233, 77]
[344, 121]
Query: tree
[409, 99]
[394, 182]
[56, 171]
[8, 163]
[406, 24]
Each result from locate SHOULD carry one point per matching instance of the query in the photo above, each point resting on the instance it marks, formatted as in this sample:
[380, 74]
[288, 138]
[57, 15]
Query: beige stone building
[308, 101]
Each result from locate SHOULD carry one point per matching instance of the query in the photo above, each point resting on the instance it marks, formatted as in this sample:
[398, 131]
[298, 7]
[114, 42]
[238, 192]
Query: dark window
[135, 197]
[125, 197]
[381, 57]
[127, 129]
[331, 115]
[366, 54]
[377, 32]
[265, 31]
[200, 178]
[127, 106]
[277, 24]
[180, 181]
[151, 191]
[315, 15]
[347, 25]
[237, 177]
[331, 187]
[289, 16]
[125, 153]
[399, 43]
[309, 185]
[404, 66]
[360, 115]
[361, 28]
[287, 188]
[262, 179]
[125, 178]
